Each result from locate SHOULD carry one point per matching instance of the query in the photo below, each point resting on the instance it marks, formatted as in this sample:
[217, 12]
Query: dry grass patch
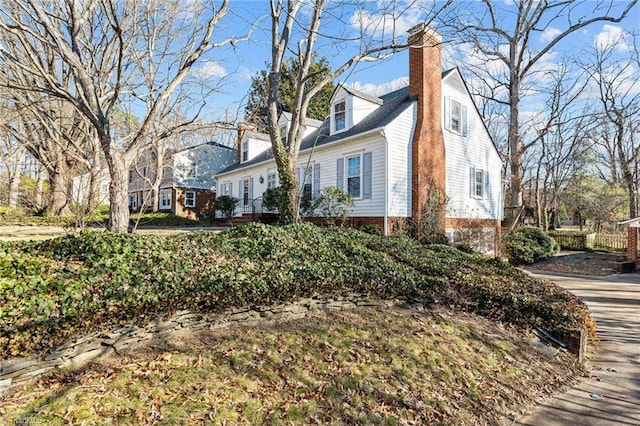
[364, 366]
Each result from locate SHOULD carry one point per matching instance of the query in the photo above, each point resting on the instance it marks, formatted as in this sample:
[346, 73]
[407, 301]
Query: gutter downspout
[385, 225]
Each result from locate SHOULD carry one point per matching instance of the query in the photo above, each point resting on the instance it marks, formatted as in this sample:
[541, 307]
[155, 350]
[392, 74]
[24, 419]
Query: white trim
[347, 157]
[188, 204]
[334, 129]
[379, 130]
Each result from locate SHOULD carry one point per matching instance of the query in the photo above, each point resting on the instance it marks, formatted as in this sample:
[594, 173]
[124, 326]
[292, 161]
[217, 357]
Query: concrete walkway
[611, 396]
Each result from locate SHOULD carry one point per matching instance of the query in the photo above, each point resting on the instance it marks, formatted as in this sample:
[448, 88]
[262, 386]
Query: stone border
[78, 353]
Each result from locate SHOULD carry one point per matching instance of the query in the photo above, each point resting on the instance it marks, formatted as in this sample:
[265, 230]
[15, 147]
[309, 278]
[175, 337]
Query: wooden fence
[584, 241]
[612, 242]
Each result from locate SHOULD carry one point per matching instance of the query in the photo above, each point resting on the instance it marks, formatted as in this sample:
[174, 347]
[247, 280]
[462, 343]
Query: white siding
[356, 109]
[360, 108]
[327, 158]
[400, 135]
[463, 153]
[257, 147]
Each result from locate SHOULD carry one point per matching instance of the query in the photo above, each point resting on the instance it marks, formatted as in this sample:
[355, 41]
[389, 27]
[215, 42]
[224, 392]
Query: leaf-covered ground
[581, 263]
[363, 366]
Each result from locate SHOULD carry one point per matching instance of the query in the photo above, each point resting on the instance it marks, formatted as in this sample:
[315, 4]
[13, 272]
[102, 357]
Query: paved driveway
[611, 396]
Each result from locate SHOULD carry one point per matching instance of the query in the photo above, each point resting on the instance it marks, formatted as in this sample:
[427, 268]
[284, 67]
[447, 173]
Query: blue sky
[236, 66]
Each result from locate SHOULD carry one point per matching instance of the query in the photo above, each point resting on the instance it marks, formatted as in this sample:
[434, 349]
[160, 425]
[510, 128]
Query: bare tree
[58, 137]
[560, 142]
[299, 34]
[121, 55]
[12, 156]
[502, 38]
[613, 68]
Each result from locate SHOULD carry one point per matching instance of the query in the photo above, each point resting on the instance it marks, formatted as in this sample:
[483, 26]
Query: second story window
[245, 151]
[455, 116]
[340, 115]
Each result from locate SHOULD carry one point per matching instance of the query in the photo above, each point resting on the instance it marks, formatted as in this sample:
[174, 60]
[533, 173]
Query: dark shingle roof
[391, 105]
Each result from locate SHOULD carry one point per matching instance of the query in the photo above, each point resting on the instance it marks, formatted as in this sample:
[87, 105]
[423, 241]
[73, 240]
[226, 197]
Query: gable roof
[310, 121]
[391, 106]
[456, 70]
[359, 94]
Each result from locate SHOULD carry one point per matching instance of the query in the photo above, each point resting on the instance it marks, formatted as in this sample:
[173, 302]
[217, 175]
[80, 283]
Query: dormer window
[245, 151]
[283, 133]
[340, 115]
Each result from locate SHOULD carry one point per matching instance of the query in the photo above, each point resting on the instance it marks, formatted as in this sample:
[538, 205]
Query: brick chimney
[425, 85]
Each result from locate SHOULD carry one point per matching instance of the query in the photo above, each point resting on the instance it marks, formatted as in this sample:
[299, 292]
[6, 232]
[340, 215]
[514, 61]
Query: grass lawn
[364, 366]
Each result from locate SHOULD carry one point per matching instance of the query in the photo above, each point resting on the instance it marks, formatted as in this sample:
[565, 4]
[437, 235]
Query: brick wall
[488, 230]
[205, 200]
[632, 244]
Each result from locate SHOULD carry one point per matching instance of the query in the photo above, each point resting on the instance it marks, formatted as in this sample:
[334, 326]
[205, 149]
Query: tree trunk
[118, 191]
[14, 179]
[515, 142]
[94, 182]
[58, 201]
[40, 188]
[155, 197]
[288, 209]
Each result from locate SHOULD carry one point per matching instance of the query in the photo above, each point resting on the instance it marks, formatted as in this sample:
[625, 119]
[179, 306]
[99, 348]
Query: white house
[388, 151]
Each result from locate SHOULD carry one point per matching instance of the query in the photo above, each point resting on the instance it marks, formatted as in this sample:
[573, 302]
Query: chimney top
[423, 28]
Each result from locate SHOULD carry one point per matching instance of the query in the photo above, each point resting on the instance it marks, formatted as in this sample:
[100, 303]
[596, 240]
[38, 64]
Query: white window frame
[339, 112]
[187, 202]
[346, 174]
[245, 151]
[479, 183]
[225, 188]
[246, 186]
[165, 200]
[272, 179]
[456, 116]
[133, 201]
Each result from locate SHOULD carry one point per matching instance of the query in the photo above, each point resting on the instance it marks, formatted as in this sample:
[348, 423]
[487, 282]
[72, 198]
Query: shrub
[226, 205]
[271, 199]
[528, 245]
[428, 227]
[370, 229]
[333, 203]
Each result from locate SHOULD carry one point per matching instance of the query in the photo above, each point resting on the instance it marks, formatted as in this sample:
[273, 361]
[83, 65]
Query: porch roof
[632, 223]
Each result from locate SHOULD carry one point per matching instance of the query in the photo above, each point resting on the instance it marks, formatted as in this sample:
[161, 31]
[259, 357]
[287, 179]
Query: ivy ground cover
[54, 290]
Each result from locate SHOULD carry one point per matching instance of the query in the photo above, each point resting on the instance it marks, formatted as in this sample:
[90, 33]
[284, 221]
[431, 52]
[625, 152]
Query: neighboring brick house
[187, 188]
[387, 152]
